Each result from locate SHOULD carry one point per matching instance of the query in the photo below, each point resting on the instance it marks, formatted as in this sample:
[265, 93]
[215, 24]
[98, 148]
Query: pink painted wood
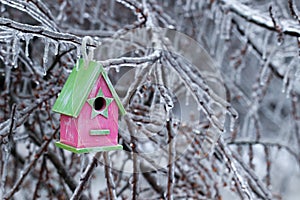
[76, 131]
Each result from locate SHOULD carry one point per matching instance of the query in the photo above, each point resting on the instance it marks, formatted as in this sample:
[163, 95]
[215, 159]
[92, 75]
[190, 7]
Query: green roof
[79, 85]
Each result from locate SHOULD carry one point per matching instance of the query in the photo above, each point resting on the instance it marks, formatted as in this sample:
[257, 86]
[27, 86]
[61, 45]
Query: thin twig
[256, 49]
[109, 180]
[253, 176]
[85, 177]
[133, 143]
[252, 15]
[293, 10]
[241, 185]
[268, 144]
[132, 60]
[40, 31]
[28, 168]
[40, 179]
[276, 25]
[171, 167]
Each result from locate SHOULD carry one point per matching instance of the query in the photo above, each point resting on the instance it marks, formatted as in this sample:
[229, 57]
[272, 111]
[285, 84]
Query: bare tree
[218, 122]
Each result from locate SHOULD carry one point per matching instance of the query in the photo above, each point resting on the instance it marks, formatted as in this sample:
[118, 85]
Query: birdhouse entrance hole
[99, 103]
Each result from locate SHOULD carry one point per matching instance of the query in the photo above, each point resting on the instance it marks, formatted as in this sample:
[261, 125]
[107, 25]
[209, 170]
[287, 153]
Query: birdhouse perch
[89, 108]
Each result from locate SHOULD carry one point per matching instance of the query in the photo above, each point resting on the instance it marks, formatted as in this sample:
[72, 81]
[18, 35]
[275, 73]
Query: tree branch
[109, 180]
[85, 177]
[27, 169]
[41, 31]
[288, 27]
[132, 60]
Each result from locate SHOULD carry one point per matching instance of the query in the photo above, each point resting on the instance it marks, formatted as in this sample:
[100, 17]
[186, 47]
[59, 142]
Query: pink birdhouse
[89, 108]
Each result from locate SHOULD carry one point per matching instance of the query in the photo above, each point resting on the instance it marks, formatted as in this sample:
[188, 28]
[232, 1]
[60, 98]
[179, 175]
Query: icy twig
[241, 185]
[136, 83]
[134, 152]
[86, 176]
[288, 27]
[136, 7]
[28, 168]
[257, 49]
[276, 25]
[24, 114]
[195, 90]
[37, 10]
[253, 176]
[132, 60]
[41, 31]
[269, 144]
[171, 167]
[108, 175]
[293, 10]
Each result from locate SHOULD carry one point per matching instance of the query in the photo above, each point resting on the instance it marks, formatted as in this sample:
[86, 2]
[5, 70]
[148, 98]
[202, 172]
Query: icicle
[286, 75]
[2, 8]
[290, 86]
[264, 74]
[176, 42]
[117, 68]
[198, 107]
[15, 50]
[215, 35]
[56, 47]
[265, 46]
[245, 126]
[238, 73]
[218, 19]
[187, 98]
[45, 57]
[232, 124]
[265, 70]
[226, 26]
[28, 37]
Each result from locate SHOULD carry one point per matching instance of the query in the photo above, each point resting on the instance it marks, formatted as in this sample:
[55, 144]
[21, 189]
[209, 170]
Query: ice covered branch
[29, 167]
[132, 60]
[269, 144]
[109, 179]
[37, 10]
[288, 27]
[85, 177]
[230, 162]
[171, 141]
[41, 31]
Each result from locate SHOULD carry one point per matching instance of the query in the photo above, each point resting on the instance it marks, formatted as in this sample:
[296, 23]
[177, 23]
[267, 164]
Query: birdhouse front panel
[100, 112]
[89, 108]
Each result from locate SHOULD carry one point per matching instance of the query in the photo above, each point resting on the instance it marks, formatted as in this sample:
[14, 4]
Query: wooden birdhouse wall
[76, 131]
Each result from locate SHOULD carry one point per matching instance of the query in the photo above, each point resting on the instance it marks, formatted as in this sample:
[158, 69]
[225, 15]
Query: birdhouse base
[89, 149]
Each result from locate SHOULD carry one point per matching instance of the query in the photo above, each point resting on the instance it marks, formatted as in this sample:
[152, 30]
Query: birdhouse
[89, 108]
